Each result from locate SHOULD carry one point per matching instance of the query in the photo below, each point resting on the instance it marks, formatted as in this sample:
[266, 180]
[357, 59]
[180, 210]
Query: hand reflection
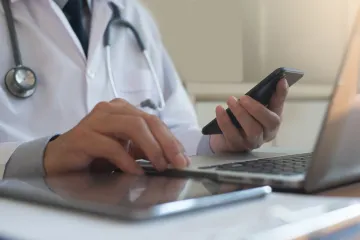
[159, 190]
[118, 188]
[216, 188]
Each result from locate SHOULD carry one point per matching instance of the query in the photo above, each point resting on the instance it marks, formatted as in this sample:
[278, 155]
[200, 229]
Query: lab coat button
[91, 74]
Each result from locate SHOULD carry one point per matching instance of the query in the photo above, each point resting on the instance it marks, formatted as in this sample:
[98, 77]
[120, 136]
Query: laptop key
[284, 165]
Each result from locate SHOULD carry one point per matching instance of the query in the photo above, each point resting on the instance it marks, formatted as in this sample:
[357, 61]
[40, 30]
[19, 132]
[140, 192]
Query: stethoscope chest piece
[21, 81]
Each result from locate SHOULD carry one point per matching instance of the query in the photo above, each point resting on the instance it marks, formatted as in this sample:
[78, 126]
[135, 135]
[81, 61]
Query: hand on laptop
[103, 135]
[260, 124]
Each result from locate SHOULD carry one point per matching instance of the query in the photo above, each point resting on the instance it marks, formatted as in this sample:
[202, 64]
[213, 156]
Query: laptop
[335, 158]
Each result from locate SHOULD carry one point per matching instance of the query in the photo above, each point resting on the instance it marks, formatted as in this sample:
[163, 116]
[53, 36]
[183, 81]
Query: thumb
[278, 99]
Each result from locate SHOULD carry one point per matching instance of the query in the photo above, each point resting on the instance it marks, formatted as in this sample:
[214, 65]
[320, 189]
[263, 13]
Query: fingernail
[244, 99]
[162, 165]
[285, 83]
[220, 110]
[247, 145]
[232, 101]
[180, 161]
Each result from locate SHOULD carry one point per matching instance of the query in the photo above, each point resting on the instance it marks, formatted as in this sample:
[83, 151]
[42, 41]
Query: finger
[172, 148]
[135, 129]
[252, 128]
[231, 134]
[100, 146]
[136, 152]
[117, 106]
[278, 99]
[121, 106]
[268, 119]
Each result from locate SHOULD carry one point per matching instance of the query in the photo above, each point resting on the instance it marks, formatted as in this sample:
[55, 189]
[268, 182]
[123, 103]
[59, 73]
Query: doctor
[91, 80]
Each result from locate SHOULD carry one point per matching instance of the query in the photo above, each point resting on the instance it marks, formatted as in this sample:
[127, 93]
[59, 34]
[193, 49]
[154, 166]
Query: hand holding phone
[262, 93]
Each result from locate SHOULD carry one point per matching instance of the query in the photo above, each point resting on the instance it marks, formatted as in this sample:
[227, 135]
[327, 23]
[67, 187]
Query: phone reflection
[130, 190]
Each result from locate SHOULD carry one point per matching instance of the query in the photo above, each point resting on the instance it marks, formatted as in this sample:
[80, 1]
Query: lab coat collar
[102, 13]
[62, 3]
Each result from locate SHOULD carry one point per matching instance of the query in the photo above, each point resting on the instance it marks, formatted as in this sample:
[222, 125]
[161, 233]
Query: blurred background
[224, 47]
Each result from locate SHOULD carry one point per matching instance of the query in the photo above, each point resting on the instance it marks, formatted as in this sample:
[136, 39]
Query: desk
[231, 222]
[27, 221]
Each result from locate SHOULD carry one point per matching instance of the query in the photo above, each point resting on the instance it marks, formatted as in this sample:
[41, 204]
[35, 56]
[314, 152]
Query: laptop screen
[337, 152]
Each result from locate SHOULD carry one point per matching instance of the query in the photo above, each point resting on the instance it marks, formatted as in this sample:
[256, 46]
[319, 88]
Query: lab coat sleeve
[23, 160]
[6, 150]
[179, 113]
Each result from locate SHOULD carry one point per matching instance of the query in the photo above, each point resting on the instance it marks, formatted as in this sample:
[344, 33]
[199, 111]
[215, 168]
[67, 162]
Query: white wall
[220, 44]
[306, 34]
[203, 36]
[236, 40]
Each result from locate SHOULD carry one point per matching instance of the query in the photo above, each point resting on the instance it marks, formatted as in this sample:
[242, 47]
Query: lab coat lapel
[101, 15]
[39, 15]
[66, 30]
[55, 26]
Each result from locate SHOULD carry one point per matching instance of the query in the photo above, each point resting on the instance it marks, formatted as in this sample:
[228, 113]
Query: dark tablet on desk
[128, 197]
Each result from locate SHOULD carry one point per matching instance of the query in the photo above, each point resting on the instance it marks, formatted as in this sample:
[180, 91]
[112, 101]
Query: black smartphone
[262, 93]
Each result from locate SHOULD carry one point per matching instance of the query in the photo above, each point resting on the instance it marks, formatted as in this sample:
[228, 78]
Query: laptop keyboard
[284, 165]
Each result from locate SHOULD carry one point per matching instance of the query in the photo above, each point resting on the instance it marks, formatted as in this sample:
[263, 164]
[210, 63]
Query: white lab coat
[69, 86]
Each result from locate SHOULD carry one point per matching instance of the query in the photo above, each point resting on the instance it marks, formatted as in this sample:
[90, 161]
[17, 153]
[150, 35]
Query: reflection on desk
[129, 197]
[278, 216]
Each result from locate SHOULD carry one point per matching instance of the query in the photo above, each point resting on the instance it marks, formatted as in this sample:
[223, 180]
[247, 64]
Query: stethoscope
[21, 81]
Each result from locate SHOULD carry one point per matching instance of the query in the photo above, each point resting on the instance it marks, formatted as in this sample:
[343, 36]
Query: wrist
[62, 155]
[53, 154]
[49, 158]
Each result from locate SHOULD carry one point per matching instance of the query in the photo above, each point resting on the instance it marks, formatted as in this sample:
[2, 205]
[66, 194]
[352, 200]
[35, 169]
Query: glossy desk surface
[270, 216]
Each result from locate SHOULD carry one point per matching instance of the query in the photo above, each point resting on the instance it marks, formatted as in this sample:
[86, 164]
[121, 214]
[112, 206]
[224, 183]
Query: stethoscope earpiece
[20, 81]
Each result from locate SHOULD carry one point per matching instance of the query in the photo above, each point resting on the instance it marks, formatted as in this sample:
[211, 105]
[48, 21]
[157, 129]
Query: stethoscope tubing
[18, 90]
[117, 20]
